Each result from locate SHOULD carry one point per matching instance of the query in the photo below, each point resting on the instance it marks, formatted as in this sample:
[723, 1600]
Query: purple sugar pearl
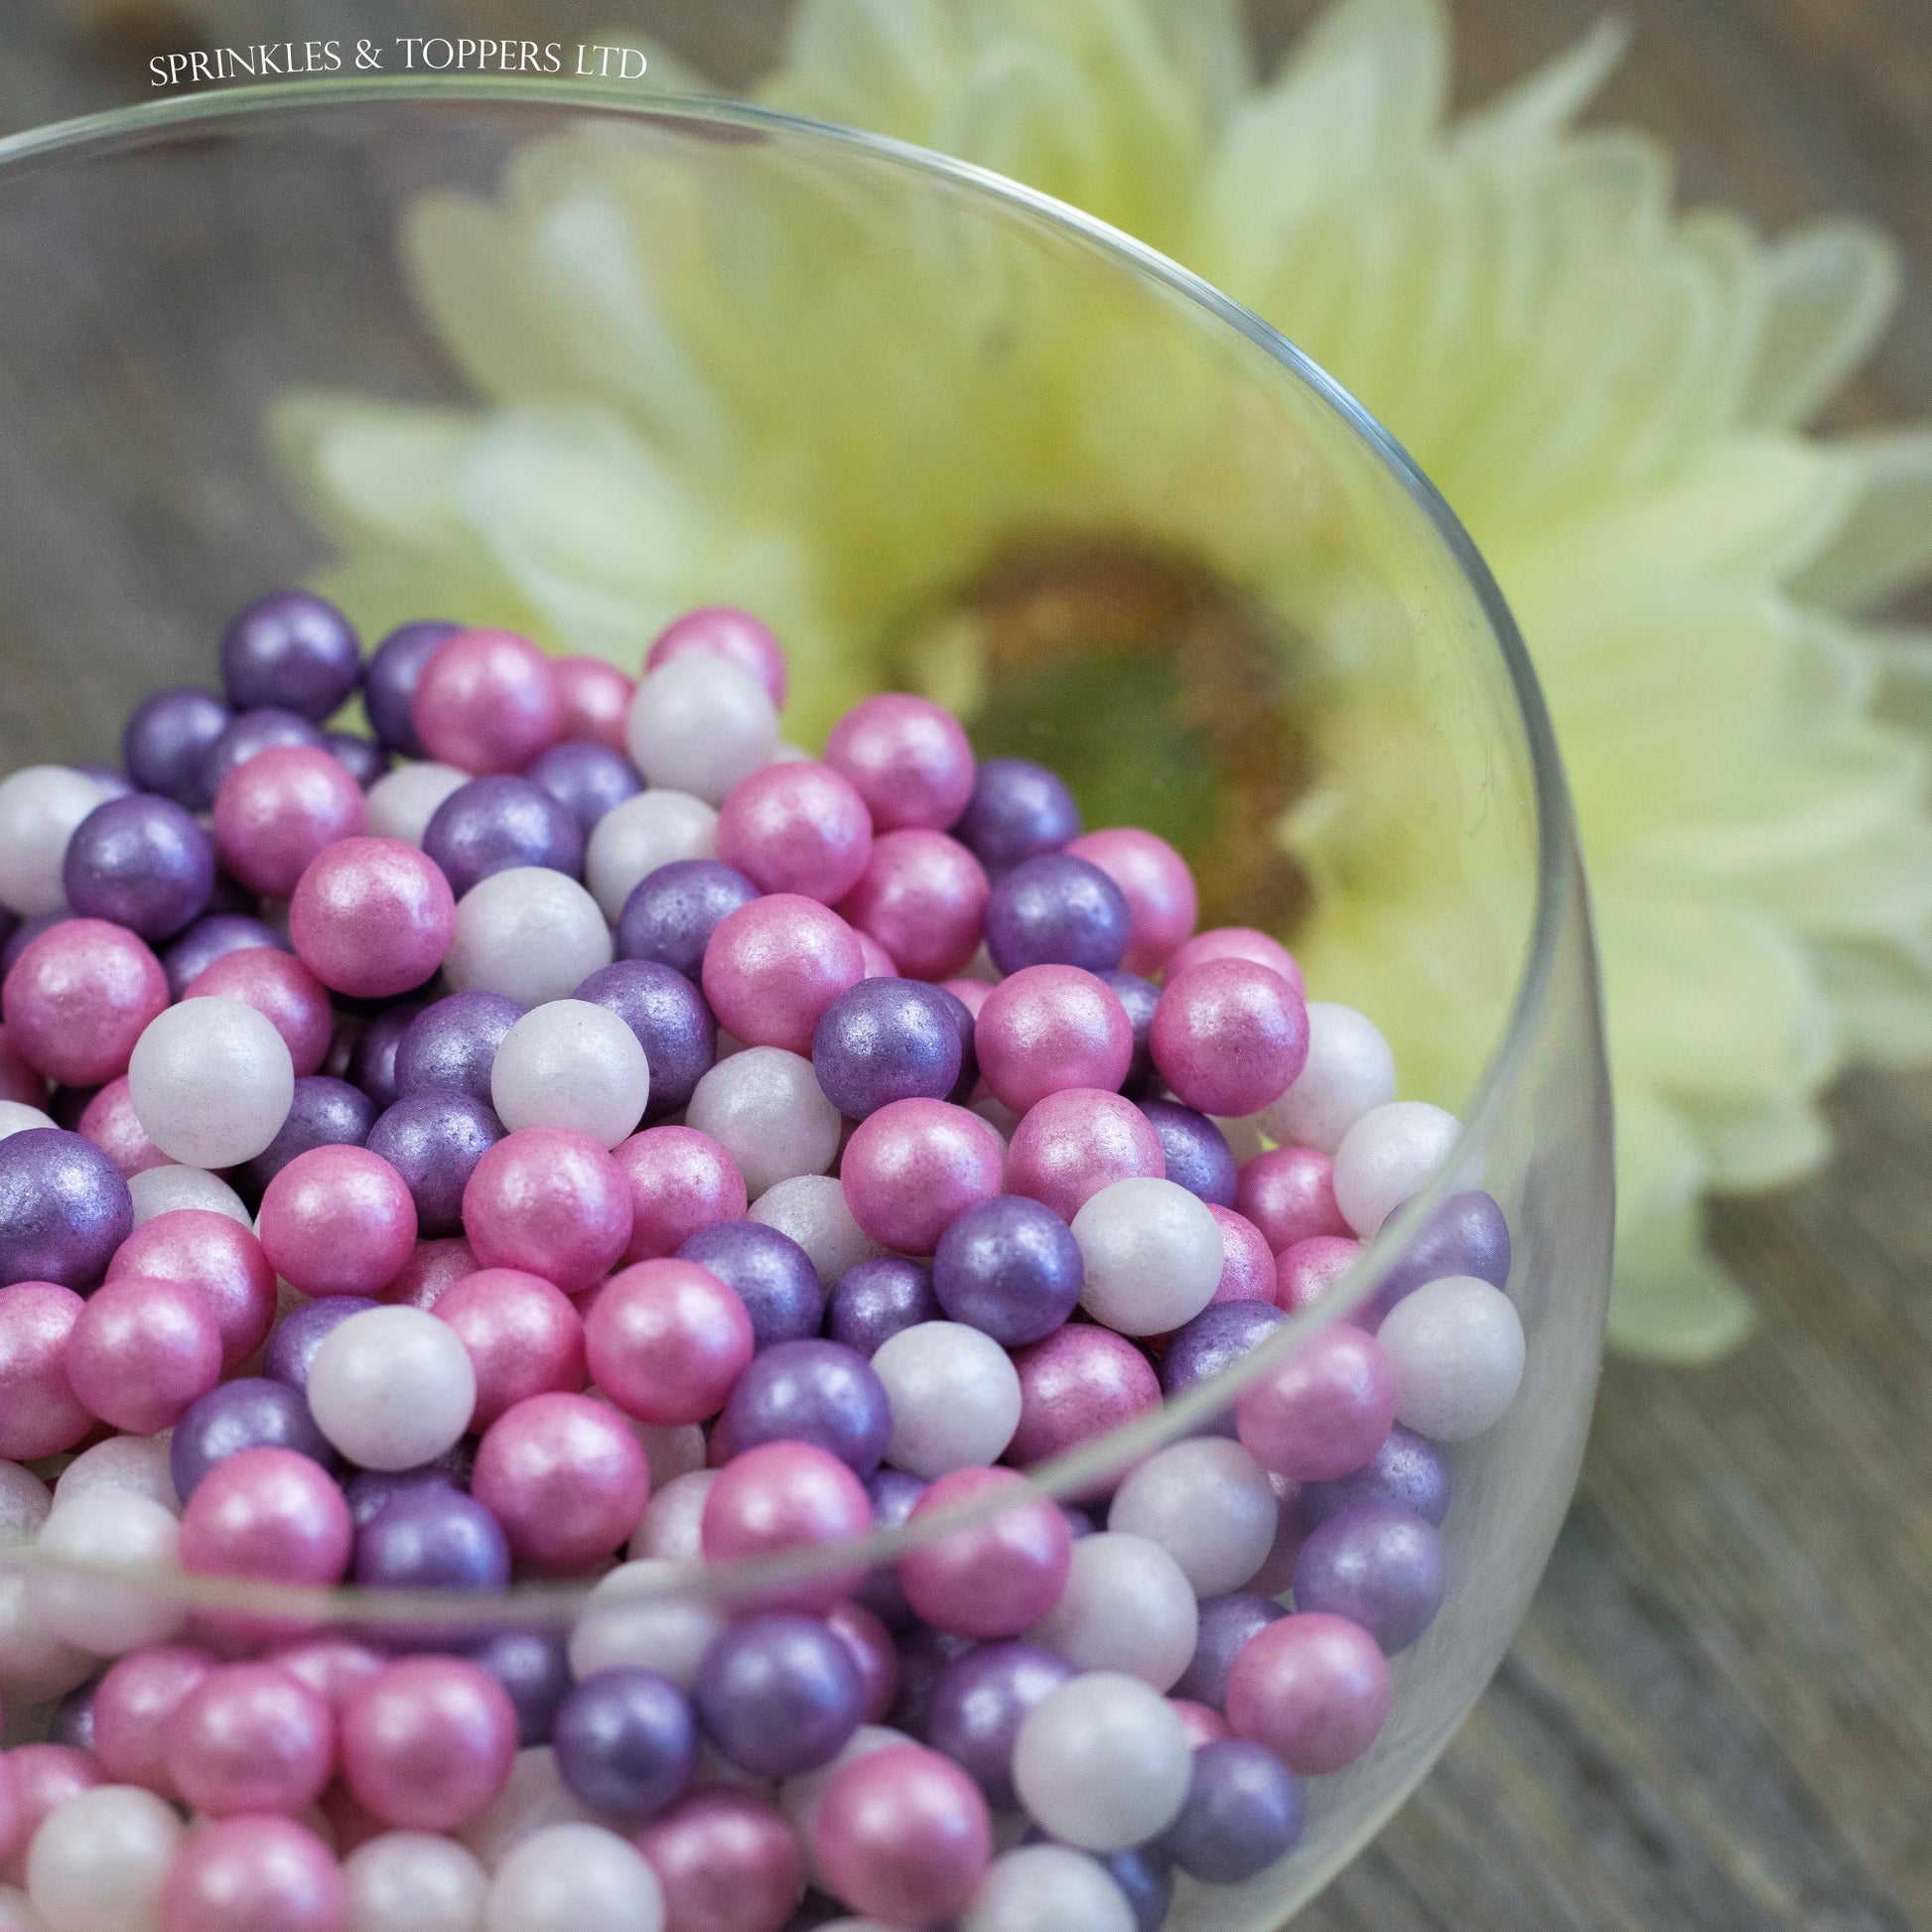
[362, 757]
[887, 1040]
[292, 1344]
[434, 1140]
[963, 1023]
[1018, 810]
[876, 1299]
[389, 681]
[768, 1271]
[373, 1059]
[1145, 1881]
[1244, 1809]
[778, 1695]
[1466, 1235]
[1011, 1268]
[324, 1112]
[211, 938]
[1378, 1567]
[432, 1537]
[248, 732]
[586, 779]
[1198, 1156]
[290, 649]
[252, 1412]
[1214, 1340]
[817, 1392]
[979, 1704]
[1056, 911]
[894, 1492]
[451, 1045]
[673, 1025]
[533, 1667]
[625, 1744]
[492, 825]
[371, 1491]
[673, 912]
[1407, 1473]
[1225, 1626]
[72, 1722]
[63, 1209]
[141, 862]
[166, 744]
[924, 1655]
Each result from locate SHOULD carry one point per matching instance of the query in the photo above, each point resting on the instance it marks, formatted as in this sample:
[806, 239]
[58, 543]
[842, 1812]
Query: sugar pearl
[700, 723]
[764, 1108]
[1127, 1606]
[724, 630]
[211, 1082]
[139, 1465]
[99, 1862]
[633, 1617]
[170, 1190]
[1350, 1071]
[908, 759]
[414, 1882]
[575, 1878]
[570, 1064]
[813, 1209]
[631, 840]
[1457, 1349]
[371, 917]
[1153, 1254]
[1389, 1154]
[1047, 1888]
[529, 933]
[392, 1388]
[403, 801]
[1102, 1762]
[16, 1117]
[1162, 900]
[487, 701]
[1313, 1688]
[40, 810]
[115, 1527]
[954, 1394]
[1209, 1504]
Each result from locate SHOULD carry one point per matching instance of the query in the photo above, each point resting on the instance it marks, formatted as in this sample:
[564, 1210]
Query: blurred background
[1719, 1714]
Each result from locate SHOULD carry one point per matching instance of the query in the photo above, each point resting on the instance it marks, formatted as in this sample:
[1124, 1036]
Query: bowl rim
[1560, 893]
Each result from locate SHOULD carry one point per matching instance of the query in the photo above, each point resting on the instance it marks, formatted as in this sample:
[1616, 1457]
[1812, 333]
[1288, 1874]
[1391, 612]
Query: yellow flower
[1608, 392]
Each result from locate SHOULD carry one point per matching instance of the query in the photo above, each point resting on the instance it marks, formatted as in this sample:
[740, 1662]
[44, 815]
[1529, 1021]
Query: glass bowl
[947, 434]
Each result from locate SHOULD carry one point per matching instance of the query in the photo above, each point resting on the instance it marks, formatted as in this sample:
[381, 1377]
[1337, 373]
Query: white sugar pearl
[25, 1501]
[392, 1388]
[1102, 1762]
[137, 1463]
[529, 933]
[575, 1878]
[16, 1117]
[17, 1912]
[161, 1191]
[403, 801]
[211, 1082]
[627, 1619]
[1046, 1888]
[99, 1862]
[1349, 1072]
[700, 723]
[414, 1882]
[1206, 1502]
[765, 1108]
[1388, 1155]
[631, 841]
[813, 1210]
[1127, 1606]
[534, 1798]
[1152, 1255]
[955, 1398]
[674, 1519]
[36, 1666]
[106, 1526]
[39, 810]
[1456, 1347]
[570, 1064]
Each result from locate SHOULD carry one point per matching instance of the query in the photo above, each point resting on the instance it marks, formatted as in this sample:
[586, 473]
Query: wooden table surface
[1719, 1714]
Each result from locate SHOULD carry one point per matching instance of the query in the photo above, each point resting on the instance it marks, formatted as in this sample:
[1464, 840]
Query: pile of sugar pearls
[410, 1221]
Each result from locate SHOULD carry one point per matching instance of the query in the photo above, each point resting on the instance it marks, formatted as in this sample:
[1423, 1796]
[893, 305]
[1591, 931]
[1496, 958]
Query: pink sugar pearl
[1247, 1261]
[593, 700]
[565, 1477]
[874, 1652]
[109, 1121]
[681, 1180]
[1237, 942]
[796, 827]
[1304, 1270]
[773, 966]
[879, 964]
[1202, 1722]
[1311, 1688]
[337, 1220]
[668, 1341]
[723, 631]
[785, 1496]
[282, 990]
[44, 1779]
[274, 814]
[335, 1668]
[217, 1257]
[1161, 903]
[40, 1414]
[1076, 1141]
[250, 1738]
[727, 1861]
[142, 1352]
[486, 702]
[270, 1515]
[18, 1081]
[1288, 1193]
[1081, 1382]
[1323, 1410]
[427, 1743]
[908, 759]
[971, 994]
[1229, 1037]
[433, 1268]
[922, 898]
[551, 1200]
[373, 917]
[12, 1823]
[135, 1706]
[254, 1875]
[902, 1835]
[77, 999]
[911, 1169]
[994, 1579]
[1046, 1029]
[522, 1335]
